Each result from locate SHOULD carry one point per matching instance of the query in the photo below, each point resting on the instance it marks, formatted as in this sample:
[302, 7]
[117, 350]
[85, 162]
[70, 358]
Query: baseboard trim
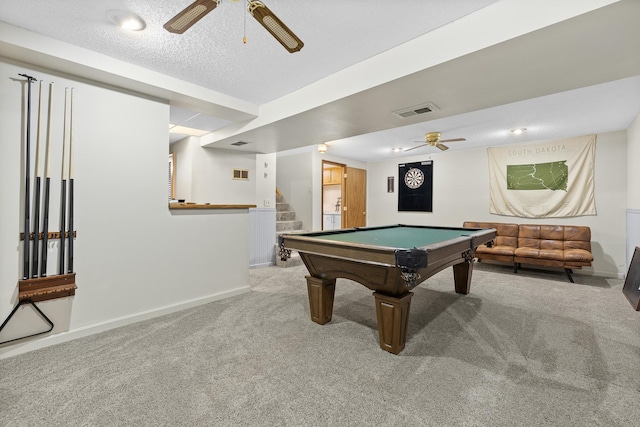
[262, 265]
[36, 344]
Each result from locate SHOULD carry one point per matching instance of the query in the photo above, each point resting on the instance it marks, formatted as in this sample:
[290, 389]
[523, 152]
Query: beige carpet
[526, 349]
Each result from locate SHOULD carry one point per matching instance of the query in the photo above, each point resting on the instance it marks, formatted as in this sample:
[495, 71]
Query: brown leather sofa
[563, 246]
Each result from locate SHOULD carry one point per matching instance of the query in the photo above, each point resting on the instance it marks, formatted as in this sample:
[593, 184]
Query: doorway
[344, 196]
[332, 181]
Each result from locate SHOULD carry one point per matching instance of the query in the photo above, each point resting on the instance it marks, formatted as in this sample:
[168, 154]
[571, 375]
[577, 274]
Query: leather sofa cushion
[577, 255]
[496, 250]
[506, 234]
[529, 252]
[541, 232]
[577, 237]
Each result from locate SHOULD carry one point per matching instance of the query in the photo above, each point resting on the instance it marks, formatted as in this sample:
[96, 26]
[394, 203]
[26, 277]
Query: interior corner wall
[213, 181]
[262, 229]
[266, 180]
[633, 191]
[294, 179]
[461, 193]
[134, 258]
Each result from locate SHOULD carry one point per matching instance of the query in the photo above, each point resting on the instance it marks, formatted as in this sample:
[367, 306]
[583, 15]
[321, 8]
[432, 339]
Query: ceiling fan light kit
[433, 139]
[198, 9]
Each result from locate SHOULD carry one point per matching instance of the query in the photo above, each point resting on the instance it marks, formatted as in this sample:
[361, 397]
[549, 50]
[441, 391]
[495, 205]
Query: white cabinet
[331, 221]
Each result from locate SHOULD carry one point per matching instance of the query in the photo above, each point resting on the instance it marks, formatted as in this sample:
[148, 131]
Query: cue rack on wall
[36, 284]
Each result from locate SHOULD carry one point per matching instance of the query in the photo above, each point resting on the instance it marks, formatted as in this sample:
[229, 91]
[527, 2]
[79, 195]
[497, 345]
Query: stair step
[288, 225]
[285, 216]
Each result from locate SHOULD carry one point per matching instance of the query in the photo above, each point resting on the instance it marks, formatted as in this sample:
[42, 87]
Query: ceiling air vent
[239, 143]
[415, 110]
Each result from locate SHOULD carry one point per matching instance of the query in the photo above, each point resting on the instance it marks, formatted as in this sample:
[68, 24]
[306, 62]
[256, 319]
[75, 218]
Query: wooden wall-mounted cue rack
[47, 287]
[36, 285]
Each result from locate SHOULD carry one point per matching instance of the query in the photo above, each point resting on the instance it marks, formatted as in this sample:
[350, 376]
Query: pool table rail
[380, 268]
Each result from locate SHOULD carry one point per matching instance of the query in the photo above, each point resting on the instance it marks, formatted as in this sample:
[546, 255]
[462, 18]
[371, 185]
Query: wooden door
[354, 198]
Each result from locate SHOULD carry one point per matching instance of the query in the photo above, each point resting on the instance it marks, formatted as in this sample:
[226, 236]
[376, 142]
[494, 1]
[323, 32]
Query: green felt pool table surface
[406, 237]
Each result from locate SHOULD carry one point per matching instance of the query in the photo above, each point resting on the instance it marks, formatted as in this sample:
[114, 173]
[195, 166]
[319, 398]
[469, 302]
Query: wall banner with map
[545, 179]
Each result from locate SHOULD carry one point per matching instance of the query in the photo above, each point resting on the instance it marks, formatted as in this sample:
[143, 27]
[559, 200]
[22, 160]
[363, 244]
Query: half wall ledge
[207, 206]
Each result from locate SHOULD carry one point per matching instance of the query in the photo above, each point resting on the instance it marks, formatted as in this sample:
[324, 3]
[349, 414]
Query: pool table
[390, 260]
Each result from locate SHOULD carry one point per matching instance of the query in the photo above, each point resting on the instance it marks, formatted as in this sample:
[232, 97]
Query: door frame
[333, 164]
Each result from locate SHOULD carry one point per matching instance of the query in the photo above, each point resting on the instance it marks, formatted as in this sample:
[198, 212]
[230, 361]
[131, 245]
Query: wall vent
[416, 110]
[242, 174]
[239, 143]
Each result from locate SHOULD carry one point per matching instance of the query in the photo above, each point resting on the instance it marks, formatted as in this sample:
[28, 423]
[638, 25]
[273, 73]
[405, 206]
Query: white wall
[461, 193]
[633, 178]
[182, 166]
[294, 179]
[205, 175]
[633, 190]
[212, 180]
[262, 229]
[266, 180]
[133, 257]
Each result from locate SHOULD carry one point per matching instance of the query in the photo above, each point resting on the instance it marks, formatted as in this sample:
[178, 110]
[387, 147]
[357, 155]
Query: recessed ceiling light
[126, 20]
[518, 131]
[396, 149]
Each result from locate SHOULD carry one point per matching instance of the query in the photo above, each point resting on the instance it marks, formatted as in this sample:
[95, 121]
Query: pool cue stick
[70, 253]
[47, 184]
[36, 192]
[63, 189]
[27, 181]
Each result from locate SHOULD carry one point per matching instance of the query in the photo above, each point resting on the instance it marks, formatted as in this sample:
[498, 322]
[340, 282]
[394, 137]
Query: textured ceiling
[336, 34]
[560, 78]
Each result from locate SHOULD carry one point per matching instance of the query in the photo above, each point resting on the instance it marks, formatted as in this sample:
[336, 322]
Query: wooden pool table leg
[462, 276]
[393, 316]
[321, 293]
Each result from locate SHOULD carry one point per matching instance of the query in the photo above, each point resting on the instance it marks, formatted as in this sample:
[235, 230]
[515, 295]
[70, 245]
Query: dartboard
[414, 178]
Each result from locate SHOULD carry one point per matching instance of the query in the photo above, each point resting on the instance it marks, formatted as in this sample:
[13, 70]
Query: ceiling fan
[199, 8]
[433, 139]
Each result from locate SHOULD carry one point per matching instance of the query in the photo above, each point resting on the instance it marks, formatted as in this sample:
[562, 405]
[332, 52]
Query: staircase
[286, 223]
